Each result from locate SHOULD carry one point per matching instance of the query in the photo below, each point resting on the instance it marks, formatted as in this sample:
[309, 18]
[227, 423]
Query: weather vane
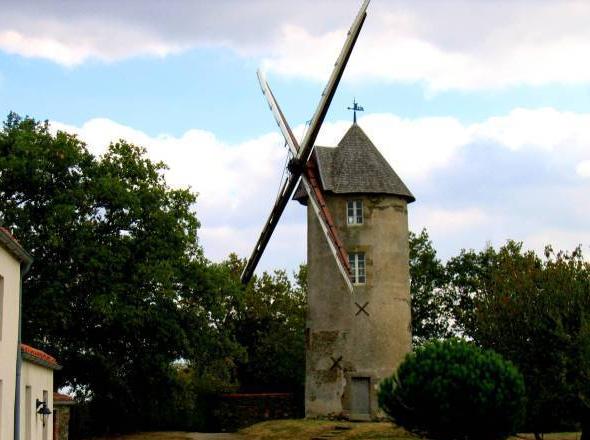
[355, 108]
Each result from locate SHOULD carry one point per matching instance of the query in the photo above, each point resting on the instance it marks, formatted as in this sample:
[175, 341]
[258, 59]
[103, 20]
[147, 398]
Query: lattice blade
[306, 145]
[318, 118]
[278, 115]
[312, 187]
[269, 227]
[324, 217]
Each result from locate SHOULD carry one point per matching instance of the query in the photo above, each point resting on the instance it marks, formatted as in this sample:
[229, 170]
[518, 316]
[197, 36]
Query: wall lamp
[42, 409]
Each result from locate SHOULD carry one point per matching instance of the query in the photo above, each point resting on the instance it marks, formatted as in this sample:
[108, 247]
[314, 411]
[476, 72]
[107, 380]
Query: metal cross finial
[355, 108]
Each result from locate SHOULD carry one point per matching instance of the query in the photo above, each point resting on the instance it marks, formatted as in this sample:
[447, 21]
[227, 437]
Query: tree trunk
[538, 436]
[585, 430]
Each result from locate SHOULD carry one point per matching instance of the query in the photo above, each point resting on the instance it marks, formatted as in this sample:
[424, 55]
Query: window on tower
[354, 212]
[357, 267]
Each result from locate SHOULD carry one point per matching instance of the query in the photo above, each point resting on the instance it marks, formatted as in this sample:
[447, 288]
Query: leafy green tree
[468, 276]
[119, 289]
[431, 304]
[534, 312]
[270, 325]
[453, 390]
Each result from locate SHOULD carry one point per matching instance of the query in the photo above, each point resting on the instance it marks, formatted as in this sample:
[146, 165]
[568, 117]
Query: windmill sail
[307, 144]
[320, 208]
[312, 187]
[322, 108]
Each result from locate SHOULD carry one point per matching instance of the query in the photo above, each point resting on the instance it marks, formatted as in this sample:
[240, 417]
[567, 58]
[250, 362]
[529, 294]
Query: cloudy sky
[481, 106]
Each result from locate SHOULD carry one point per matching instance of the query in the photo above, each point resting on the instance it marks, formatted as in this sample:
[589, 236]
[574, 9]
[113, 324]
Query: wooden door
[360, 393]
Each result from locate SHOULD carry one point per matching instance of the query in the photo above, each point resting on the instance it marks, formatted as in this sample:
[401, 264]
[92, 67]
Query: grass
[552, 436]
[310, 429]
[313, 430]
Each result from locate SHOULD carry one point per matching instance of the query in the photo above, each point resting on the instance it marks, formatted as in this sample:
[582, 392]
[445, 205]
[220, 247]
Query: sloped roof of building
[39, 357]
[62, 400]
[356, 166]
[11, 244]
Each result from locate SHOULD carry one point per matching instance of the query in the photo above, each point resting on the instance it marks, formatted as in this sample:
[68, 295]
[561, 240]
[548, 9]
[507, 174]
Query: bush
[454, 390]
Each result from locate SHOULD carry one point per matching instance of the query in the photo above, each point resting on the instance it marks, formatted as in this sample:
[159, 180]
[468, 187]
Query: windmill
[358, 299]
[301, 167]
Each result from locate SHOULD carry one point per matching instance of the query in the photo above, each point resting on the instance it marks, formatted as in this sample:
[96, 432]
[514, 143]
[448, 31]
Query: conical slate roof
[356, 166]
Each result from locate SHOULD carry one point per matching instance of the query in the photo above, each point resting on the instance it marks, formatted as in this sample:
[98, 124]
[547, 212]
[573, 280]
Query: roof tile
[356, 166]
[39, 355]
[58, 397]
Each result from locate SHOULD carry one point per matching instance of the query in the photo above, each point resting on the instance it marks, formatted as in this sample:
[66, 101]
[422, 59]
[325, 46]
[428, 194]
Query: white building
[36, 394]
[31, 390]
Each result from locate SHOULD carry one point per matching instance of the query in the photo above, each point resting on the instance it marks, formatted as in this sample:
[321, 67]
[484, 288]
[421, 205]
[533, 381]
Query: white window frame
[358, 267]
[354, 212]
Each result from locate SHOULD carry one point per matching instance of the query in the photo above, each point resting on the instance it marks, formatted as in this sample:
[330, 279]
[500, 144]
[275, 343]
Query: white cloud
[446, 48]
[545, 129]
[226, 176]
[227, 239]
[111, 30]
[15, 42]
[559, 238]
[450, 221]
[385, 55]
[417, 146]
[452, 228]
[237, 183]
[583, 169]
[457, 44]
[68, 51]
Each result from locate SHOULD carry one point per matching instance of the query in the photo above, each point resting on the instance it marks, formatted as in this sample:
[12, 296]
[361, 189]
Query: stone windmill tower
[353, 341]
[358, 327]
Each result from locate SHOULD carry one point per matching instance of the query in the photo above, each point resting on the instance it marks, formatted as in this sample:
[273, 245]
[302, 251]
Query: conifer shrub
[454, 390]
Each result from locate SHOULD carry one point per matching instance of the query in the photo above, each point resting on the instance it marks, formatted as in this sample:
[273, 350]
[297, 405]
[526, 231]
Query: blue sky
[481, 106]
[213, 89]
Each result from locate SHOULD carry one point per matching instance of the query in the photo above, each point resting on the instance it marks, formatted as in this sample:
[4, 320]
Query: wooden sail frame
[312, 187]
[302, 154]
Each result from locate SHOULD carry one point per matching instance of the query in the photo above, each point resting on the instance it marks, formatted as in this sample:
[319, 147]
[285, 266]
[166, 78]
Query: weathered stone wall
[235, 411]
[342, 341]
[61, 422]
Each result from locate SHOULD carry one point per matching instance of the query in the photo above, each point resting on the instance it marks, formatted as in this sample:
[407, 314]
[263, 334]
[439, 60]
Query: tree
[119, 289]
[452, 389]
[431, 305]
[468, 275]
[270, 325]
[534, 312]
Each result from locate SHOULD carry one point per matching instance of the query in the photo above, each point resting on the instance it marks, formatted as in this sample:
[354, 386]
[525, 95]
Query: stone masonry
[353, 341]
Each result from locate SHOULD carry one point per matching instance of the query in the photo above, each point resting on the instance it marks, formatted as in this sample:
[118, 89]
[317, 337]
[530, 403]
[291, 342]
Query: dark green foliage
[431, 304]
[119, 288]
[147, 328]
[536, 312]
[120, 291]
[453, 390]
[270, 324]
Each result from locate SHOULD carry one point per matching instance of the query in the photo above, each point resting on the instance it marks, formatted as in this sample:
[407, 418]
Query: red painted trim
[41, 355]
[58, 397]
[311, 172]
